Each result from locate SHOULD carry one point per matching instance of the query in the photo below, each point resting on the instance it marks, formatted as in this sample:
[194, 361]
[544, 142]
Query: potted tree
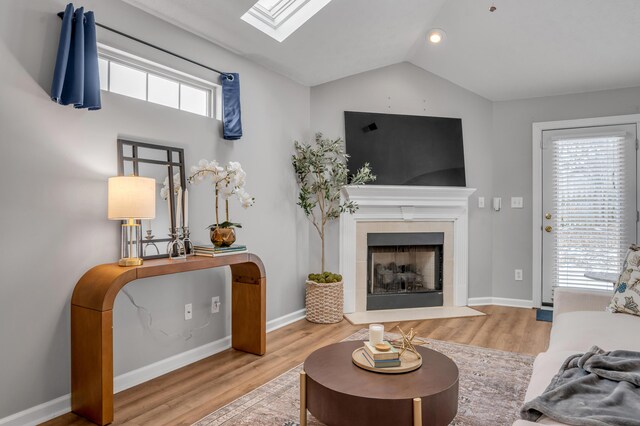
[321, 171]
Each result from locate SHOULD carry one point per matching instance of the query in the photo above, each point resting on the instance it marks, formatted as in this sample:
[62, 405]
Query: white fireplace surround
[378, 203]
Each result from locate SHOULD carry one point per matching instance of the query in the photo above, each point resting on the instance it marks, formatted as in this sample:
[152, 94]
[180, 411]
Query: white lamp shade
[132, 197]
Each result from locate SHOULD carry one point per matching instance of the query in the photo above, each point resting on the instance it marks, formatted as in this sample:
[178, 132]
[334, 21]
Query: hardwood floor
[190, 393]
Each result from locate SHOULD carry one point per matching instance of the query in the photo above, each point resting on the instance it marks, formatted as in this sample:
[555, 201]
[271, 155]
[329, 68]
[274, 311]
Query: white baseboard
[59, 406]
[157, 369]
[284, 320]
[500, 301]
[40, 413]
[479, 301]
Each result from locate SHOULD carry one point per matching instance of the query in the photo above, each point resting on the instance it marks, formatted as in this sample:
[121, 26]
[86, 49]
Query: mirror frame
[135, 159]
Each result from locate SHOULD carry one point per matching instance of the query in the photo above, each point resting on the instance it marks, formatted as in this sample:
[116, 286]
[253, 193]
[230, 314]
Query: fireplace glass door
[404, 270]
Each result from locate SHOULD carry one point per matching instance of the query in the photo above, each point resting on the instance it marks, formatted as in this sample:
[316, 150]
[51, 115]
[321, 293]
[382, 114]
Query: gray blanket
[592, 389]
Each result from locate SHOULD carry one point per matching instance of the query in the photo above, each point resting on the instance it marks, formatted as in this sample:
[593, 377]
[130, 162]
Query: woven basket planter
[324, 302]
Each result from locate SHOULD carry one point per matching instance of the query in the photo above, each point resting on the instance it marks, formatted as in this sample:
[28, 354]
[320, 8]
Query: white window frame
[536, 204]
[213, 90]
[284, 17]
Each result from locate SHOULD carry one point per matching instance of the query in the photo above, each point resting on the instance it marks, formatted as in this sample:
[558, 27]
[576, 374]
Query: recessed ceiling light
[436, 36]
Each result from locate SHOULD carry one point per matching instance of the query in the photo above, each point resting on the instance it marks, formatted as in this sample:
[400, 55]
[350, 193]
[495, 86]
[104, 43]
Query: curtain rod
[113, 30]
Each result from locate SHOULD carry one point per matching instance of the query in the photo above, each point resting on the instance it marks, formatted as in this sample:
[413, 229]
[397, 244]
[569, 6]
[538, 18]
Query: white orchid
[164, 192]
[246, 200]
[227, 181]
[209, 169]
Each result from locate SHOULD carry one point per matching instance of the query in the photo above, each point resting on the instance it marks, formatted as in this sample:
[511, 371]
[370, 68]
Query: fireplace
[404, 270]
[405, 209]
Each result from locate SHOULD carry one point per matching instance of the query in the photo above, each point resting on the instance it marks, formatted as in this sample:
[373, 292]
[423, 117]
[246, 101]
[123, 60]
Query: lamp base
[130, 261]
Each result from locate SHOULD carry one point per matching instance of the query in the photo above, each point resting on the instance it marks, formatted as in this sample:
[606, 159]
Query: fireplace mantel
[380, 203]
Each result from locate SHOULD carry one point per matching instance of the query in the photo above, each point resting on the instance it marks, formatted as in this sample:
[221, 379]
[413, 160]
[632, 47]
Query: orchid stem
[217, 219]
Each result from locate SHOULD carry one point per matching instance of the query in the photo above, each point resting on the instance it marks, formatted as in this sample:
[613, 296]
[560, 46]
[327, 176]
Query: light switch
[497, 204]
[517, 202]
[481, 202]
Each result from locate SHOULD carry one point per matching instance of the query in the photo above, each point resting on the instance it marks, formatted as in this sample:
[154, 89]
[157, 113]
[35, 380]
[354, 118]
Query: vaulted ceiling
[524, 49]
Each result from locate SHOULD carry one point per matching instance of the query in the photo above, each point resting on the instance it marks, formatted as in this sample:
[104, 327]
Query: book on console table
[382, 363]
[376, 355]
[212, 251]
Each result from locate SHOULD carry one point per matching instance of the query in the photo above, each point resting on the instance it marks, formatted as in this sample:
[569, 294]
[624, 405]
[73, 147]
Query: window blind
[591, 209]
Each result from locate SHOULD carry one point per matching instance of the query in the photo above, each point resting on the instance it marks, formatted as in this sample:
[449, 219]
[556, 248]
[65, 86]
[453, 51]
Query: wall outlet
[518, 275]
[517, 203]
[481, 202]
[188, 311]
[215, 304]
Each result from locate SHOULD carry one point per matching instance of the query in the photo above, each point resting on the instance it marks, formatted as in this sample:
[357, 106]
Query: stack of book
[381, 359]
[210, 250]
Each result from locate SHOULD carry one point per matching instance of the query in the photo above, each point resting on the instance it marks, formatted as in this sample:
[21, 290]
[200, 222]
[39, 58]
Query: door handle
[547, 216]
[548, 228]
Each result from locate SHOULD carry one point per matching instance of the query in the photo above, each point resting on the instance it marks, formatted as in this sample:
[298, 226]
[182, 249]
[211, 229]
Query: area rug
[492, 388]
[411, 314]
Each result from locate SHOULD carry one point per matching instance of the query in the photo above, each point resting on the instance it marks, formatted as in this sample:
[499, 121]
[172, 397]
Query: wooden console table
[92, 321]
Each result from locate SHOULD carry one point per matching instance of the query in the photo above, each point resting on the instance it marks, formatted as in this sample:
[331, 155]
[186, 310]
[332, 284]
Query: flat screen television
[406, 149]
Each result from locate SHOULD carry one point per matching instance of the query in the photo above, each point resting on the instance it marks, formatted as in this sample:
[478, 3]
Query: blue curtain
[231, 116]
[76, 80]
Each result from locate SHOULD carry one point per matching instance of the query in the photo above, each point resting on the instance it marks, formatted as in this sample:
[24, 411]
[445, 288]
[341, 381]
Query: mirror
[163, 163]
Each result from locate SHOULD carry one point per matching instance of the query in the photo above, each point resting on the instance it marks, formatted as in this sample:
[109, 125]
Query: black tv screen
[406, 149]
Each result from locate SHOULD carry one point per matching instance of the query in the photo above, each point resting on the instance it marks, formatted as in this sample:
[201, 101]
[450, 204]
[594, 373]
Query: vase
[222, 237]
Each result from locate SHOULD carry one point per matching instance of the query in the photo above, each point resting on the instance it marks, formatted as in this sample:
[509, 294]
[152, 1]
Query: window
[281, 18]
[132, 76]
[594, 203]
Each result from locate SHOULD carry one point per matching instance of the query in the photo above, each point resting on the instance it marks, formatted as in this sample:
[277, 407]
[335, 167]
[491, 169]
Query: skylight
[280, 18]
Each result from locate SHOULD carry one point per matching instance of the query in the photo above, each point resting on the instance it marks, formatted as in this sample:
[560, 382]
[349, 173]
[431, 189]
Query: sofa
[579, 322]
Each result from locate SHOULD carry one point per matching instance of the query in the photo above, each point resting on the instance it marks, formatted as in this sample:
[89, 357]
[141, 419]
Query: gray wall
[56, 161]
[406, 89]
[498, 155]
[512, 176]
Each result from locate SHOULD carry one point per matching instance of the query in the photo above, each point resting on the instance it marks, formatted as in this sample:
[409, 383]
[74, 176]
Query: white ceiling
[527, 48]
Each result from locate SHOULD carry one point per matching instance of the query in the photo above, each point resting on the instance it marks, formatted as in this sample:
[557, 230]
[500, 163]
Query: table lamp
[131, 198]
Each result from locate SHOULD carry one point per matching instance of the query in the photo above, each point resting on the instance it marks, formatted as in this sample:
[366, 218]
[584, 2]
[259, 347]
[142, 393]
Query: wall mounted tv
[406, 149]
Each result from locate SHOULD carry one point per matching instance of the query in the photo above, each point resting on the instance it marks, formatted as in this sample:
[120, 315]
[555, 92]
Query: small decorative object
[227, 181]
[406, 342]
[176, 248]
[321, 171]
[376, 333]
[383, 347]
[149, 242]
[131, 198]
[186, 239]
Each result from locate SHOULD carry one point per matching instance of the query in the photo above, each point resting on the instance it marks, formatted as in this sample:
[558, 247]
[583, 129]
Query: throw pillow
[626, 297]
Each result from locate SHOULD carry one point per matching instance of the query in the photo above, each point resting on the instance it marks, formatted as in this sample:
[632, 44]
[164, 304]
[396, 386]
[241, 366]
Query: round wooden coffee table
[337, 392]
